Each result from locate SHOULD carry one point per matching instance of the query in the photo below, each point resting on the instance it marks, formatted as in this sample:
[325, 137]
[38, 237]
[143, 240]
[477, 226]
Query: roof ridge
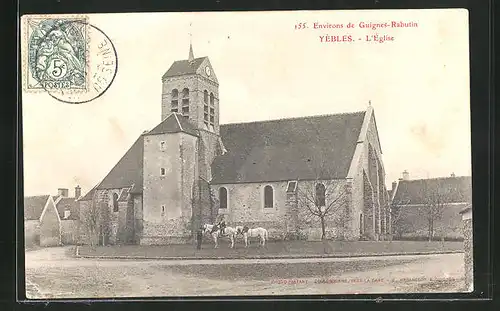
[297, 118]
[37, 196]
[187, 60]
[178, 122]
[433, 178]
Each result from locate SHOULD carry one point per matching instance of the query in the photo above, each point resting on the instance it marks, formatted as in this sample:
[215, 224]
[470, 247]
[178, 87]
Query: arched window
[115, 202]
[174, 106]
[205, 107]
[268, 197]
[205, 97]
[185, 102]
[320, 194]
[212, 109]
[223, 197]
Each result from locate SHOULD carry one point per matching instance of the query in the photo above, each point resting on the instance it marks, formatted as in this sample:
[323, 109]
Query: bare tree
[95, 221]
[435, 201]
[399, 223]
[323, 200]
[90, 221]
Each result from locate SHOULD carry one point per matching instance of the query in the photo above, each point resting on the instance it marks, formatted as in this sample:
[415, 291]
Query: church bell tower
[190, 88]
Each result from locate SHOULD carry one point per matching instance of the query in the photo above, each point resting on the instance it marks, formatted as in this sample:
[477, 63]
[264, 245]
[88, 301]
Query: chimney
[394, 185]
[452, 175]
[406, 175]
[78, 192]
[63, 192]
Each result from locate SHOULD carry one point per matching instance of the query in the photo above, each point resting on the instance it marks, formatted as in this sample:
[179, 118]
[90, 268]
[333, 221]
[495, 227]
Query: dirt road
[52, 273]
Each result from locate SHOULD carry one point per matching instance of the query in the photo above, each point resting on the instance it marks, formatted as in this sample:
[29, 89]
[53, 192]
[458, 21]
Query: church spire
[191, 54]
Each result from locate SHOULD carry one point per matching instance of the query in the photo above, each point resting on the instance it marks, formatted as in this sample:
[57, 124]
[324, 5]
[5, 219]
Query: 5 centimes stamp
[68, 58]
[57, 53]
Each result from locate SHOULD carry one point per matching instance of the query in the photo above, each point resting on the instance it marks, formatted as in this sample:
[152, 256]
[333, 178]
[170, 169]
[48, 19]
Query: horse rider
[220, 225]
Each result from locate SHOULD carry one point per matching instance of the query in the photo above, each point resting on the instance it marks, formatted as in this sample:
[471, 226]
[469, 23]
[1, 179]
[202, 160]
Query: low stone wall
[31, 233]
[468, 256]
[173, 231]
[412, 224]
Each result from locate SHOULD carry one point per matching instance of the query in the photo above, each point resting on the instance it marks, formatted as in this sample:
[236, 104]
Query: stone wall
[171, 231]
[338, 223]
[412, 223]
[289, 216]
[31, 233]
[246, 205]
[168, 199]
[468, 250]
[138, 226]
[196, 85]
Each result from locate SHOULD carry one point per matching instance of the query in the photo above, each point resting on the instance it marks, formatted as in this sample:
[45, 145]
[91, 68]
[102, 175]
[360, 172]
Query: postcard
[246, 153]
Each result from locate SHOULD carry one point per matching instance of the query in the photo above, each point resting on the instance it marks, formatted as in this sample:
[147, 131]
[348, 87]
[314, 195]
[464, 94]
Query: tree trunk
[430, 230]
[323, 235]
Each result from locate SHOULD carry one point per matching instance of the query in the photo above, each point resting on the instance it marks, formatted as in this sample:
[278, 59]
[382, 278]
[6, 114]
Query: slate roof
[128, 170]
[454, 189]
[33, 206]
[184, 67]
[288, 149]
[68, 204]
[174, 123]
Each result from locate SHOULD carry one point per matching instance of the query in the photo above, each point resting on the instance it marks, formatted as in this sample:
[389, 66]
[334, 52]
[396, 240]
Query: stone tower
[190, 87]
[179, 151]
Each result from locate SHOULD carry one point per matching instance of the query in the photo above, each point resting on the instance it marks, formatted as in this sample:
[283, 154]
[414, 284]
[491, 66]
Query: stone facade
[31, 232]
[196, 84]
[169, 177]
[370, 201]
[468, 249]
[289, 215]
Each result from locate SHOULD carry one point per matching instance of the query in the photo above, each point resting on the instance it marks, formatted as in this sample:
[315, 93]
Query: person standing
[199, 238]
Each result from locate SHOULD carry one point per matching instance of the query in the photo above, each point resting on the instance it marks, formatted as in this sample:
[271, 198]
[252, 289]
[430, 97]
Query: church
[190, 169]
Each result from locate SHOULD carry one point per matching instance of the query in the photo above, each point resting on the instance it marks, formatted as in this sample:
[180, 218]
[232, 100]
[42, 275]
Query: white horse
[228, 231]
[253, 233]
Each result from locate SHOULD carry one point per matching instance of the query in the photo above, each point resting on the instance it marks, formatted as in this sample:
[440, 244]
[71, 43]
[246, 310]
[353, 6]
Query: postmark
[68, 58]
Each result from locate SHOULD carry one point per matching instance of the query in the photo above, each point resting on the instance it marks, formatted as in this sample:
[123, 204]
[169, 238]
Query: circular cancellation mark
[74, 62]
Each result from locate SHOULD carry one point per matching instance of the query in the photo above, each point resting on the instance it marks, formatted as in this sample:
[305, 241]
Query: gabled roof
[288, 149]
[419, 191]
[127, 171]
[33, 206]
[174, 123]
[184, 67]
[68, 204]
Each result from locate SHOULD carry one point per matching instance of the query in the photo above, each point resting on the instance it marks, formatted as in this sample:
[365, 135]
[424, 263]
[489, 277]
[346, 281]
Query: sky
[418, 85]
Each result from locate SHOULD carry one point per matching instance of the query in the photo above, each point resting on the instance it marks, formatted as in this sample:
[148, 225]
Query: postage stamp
[57, 53]
[67, 58]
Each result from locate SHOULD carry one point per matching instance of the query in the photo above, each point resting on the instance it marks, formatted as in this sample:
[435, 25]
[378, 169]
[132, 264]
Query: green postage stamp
[56, 53]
